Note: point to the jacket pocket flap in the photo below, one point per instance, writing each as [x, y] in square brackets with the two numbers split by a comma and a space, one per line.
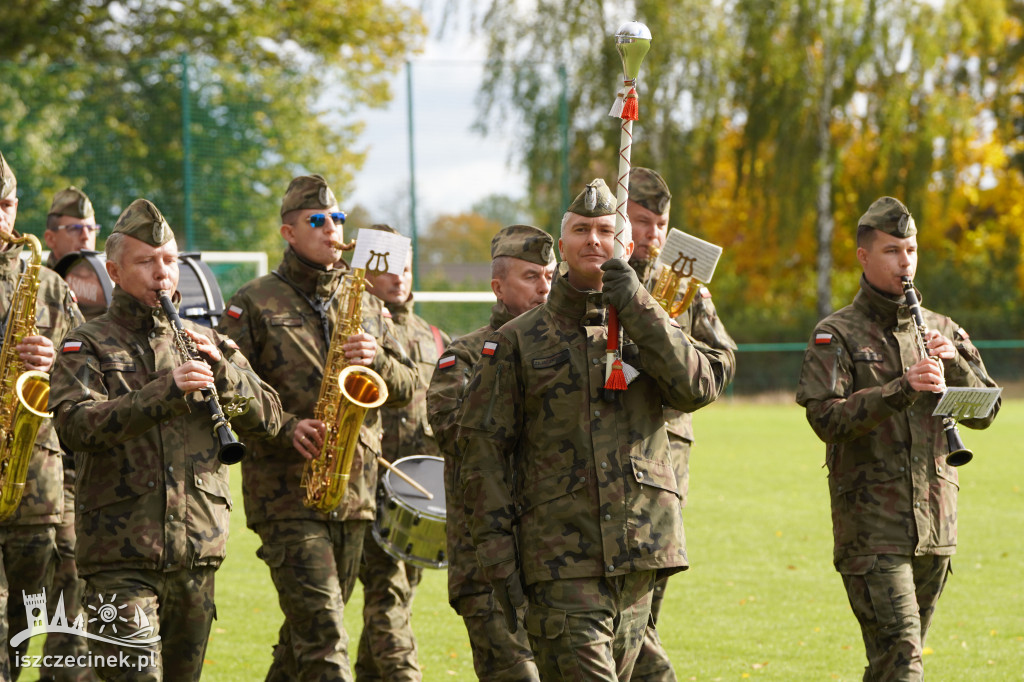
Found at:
[553, 487]
[654, 473]
[120, 361]
[290, 320]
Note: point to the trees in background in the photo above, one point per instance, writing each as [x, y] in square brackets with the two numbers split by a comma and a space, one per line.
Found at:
[777, 124]
[208, 109]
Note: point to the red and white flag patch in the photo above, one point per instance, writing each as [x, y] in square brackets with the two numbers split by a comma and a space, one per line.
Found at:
[386, 313]
[230, 343]
[489, 347]
[73, 297]
[705, 292]
[446, 362]
[822, 339]
[962, 333]
[234, 312]
[71, 347]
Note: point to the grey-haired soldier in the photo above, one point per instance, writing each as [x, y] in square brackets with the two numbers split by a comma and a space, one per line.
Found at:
[572, 500]
[869, 395]
[648, 209]
[522, 265]
[153, 498]
[27, 548]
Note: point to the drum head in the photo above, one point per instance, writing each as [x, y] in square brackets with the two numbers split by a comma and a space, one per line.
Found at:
[86, 275]
[429, 473]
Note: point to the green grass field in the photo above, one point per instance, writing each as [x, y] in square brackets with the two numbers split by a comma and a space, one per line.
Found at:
[761, 600]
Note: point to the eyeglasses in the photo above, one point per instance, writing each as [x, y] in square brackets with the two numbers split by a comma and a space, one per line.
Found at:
[78, 228]
[318, 219]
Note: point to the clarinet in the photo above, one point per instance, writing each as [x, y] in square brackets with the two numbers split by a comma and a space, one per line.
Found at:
[958, 452]
[231, 450]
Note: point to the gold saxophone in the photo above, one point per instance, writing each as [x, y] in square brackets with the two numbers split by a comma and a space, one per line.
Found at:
[670, 279]
[25, 394]
[346, 393]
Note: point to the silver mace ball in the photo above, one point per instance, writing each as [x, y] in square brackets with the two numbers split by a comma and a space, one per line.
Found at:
[632, 41]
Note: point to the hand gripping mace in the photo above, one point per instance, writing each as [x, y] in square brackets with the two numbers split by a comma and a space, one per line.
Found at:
[632, 41]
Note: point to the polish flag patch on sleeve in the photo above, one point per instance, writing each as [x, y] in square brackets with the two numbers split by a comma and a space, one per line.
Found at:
[234, 312]
[962, 333]
[489, 347]
[74, 298]
[71, 347]
[446, 362]
[230, 343]
[822, 339]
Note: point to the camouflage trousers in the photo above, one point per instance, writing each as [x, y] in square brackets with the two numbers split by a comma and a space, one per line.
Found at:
[179, 606]
[67, 585]
[314, 565]
[27, 555]
[653, 664]
[387, 647]
[894, 599]
[498, 654]
[588, 628]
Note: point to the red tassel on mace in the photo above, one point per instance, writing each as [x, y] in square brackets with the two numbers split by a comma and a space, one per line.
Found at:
[631, 106]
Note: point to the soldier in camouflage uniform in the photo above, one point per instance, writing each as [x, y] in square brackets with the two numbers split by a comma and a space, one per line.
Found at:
[27, 536]
[590, 515]
[387, 647]
[70, 226]
[648, 210]
[869, 395]
[522, 264]
[153, 499]
[284, 322]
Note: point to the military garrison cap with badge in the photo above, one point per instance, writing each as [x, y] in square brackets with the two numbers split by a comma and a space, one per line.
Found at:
[144, 221]
[594, 201]
[307, 191]
[72, 202]
[889, 215]
[524, 242]
[649, 189]
[8, 183]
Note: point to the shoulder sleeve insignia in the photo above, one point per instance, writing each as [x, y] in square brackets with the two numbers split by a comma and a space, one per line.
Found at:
[71, 292]
[71, 347]
[489, 347]
[234, 312]
[446, 362]
[962, 333]
[385, 312]
[822, 339]
[705, 292]
[230, 343]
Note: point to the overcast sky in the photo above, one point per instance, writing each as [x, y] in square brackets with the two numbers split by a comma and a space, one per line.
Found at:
[454, 166]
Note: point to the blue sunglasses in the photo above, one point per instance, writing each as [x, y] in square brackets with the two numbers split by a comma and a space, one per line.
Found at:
[319, 219]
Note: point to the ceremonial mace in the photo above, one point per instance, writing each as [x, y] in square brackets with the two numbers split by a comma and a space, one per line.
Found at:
[632, 41]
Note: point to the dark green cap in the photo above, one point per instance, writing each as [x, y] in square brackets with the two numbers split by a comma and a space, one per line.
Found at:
[649, 189]
[8, 183]
[143, 220]
[72, 202]
[889, 215]
[524, 242]
[594, 201]
[307, 191]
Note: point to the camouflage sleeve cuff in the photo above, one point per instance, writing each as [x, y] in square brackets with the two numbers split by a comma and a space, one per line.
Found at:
[497, 557]
[898, 395]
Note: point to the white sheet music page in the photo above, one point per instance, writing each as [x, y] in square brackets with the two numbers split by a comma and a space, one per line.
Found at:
[690, 256]
[379, 251]
[967, 403]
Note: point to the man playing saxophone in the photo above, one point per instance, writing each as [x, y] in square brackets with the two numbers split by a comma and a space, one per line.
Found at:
[27, 544]
[648, 209]
[284, 323]
[869, 395]
[153, 497]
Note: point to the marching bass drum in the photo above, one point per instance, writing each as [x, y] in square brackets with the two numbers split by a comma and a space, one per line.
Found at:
[408, 526]
[86, 275]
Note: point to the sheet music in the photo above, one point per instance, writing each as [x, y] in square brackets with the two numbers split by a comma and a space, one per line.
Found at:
[692, 256]
[967, 403]
[380, 251]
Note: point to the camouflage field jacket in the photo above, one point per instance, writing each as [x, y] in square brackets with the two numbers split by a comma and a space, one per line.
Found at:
[42, 501]
[406, 429]
[277, 326]
[444, 398]
[150, 492]
[892, 491]
[592, 489]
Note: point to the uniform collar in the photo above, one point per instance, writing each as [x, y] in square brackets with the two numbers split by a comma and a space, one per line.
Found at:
[499, 315]
[131, 313]
[309, 278]
[400, 311]
[880, 307]
[586, 306]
